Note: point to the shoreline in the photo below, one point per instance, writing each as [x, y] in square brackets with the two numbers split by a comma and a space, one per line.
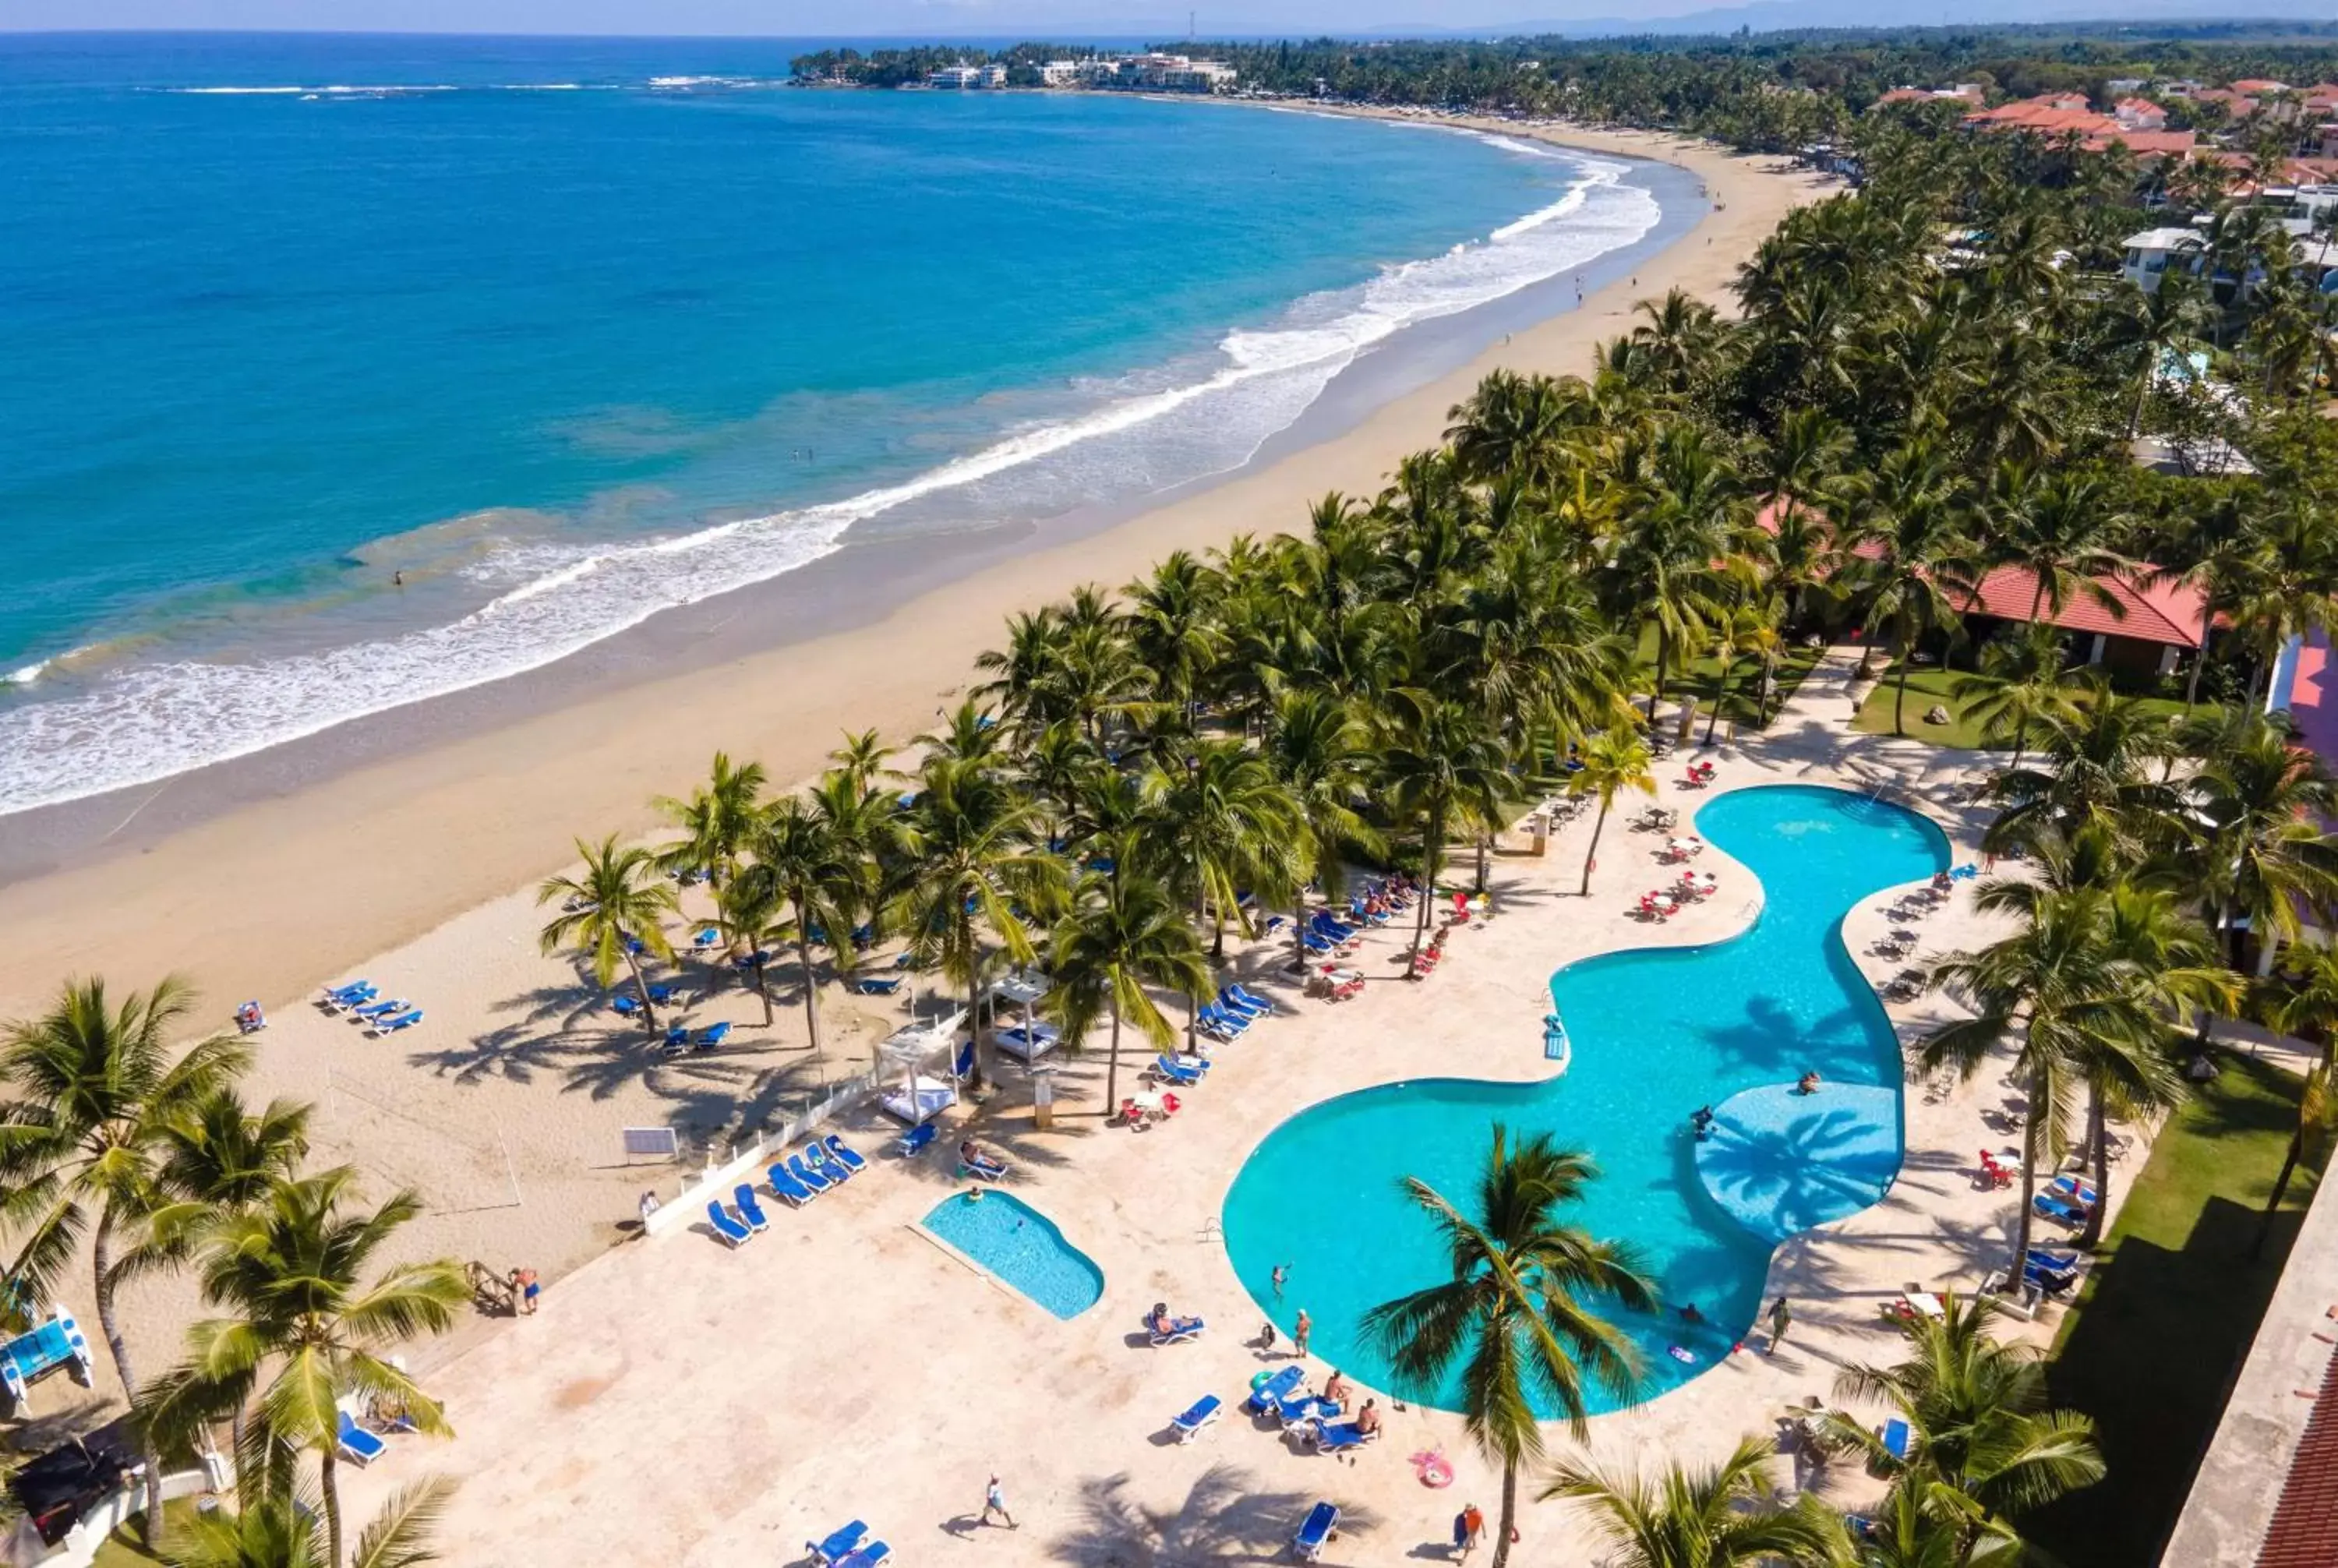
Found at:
[295, 877]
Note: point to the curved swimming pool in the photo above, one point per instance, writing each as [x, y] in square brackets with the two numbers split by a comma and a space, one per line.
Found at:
[1657, 1032]
[1022, 1246]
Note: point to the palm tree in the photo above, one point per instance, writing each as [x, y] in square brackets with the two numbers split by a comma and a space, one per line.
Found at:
[2022, 683]
[2311, 1138]
[85, 1139]
[2094, 772]
[2058, 527]
[716, 820]
[2067, 999]
[1442, 769]
[612, 913]
[1716, 1517]
[1222, 824]
[281, 1530]
[801, 860]
[1910, 508]
[1317, 750]
[1520, 1316]
[1983, 1448]
[1612, 761]
[2261, 801]
[1683, 518]
[967, 845]
[1748, 627]
[305, 1328]
[1124, 931]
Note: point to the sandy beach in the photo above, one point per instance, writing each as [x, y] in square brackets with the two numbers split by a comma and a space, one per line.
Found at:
[503, 1109]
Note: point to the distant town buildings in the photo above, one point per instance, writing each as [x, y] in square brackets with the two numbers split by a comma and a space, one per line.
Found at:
[1159, 72]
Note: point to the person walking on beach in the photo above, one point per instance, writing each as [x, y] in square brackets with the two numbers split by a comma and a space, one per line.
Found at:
[1300, 1330]
[526, 1288]
[994, 1501]
[1469, 1530]
[1781, 1318]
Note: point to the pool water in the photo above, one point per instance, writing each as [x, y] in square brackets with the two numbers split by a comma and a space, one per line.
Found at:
[1655, 1033]
[1021, 1246]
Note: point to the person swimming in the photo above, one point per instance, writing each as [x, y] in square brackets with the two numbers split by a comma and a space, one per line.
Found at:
[1701, 1121]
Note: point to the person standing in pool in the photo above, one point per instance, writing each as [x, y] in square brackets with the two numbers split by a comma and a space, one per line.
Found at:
[1781, 1318]
[1282, 1275]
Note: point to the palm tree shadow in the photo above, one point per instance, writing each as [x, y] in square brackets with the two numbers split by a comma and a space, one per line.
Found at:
[1222, 1519]
[1802, 1174]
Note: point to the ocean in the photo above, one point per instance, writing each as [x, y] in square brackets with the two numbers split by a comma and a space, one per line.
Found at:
[350, 371]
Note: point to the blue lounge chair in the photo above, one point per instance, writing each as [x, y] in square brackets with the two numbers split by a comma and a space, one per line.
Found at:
[335, 992]
[706, 939]
[839, 1543]
[392, 1025]
[2051, 1262]
[1272, 1393]
[676, 1042]
[748, 1210]
[1174, 1072]
[1216, 1017]
[2073, 1190]
[355, 999]
[625, 1005]
[916, 1139]
[1262, 1006]
[713, 1035]
[1321, 945]
[1315, 1532]
[1895, 1438]
[1181, 1329]
[2052, 1208]
[869, 1556]
[794, 1193]
[1303, 1408]
[1202, 1413]
[808, 1176]
[356, 1444]
[815, 1155]
[877, 985]
[661, 994]
[730, 1230]
[1339, 1438]
[376, 1009]
[844, 1154]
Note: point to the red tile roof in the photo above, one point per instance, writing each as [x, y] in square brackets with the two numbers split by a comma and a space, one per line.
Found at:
[2305, 1530]
[2167, 613]
[2259, 84]
[2147, 144]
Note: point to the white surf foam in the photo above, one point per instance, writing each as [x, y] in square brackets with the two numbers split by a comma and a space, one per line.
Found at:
[148, 721]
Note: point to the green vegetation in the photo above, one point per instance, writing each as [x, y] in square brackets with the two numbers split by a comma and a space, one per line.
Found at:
[1960, 693]
[2179, 1288]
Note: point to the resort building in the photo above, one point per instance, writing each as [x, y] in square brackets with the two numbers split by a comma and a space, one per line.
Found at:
[1159, 72]
[1059, 73]
[2137, 627]
[2139, 114]
[2058, 115]
[957, 77]
[2149, 252]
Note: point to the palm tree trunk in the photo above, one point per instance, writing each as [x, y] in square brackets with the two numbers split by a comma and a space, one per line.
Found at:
[1712, 720]
[1900, 697]
[2032, 1145]
[2099, 1157]
[2200, 654]
[974, 1015]
[810, 984]
[109, 1324]
[762, 990]
[1298, 933]
[1510, 1513]
[1432, 853]
[642, 984]
[2280, 1190]
[1664, 658]
[1591, 856]
[1112, 1067]
[330, 1484]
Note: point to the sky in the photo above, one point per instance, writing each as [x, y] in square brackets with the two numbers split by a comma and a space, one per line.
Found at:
[810, 18]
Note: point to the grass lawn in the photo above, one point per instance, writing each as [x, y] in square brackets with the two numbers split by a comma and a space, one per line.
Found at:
[1928, 684]
[122, 1549]
[1701, 677]
[2166, 1315]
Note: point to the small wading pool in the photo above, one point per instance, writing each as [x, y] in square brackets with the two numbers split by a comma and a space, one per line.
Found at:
[1022, 1246]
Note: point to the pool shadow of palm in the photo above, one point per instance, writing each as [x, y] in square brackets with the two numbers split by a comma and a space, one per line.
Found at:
[1817, 1168]
[1223, 1518]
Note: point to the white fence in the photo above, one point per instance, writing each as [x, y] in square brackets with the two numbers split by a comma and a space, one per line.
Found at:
[718, 1180]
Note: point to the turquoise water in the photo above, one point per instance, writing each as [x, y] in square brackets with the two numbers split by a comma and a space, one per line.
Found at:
[1657, 1032]
[1022, 1246]
[571, 331]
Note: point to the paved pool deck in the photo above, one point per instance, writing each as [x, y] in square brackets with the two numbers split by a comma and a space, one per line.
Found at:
[680, 1404]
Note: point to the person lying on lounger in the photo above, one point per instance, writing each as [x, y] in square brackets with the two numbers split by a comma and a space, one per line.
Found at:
[1163, 1325]
[1368, 1419]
